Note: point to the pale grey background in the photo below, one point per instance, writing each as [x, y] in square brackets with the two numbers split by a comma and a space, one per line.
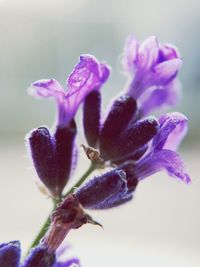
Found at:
[43, 39]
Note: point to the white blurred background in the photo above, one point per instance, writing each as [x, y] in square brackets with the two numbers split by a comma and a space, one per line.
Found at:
[43, 39]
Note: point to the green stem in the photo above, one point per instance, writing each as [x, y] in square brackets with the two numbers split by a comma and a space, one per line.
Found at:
[45, 226]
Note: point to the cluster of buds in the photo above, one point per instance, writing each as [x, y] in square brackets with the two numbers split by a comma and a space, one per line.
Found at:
[133, 144]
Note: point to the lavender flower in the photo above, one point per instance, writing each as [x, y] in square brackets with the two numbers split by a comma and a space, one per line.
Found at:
[161, 154]
[52, 154]
[152, 68]
[88, 75]
[117, 186]
[133, 145]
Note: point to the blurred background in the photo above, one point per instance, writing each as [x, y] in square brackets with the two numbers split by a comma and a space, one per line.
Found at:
[43, 39]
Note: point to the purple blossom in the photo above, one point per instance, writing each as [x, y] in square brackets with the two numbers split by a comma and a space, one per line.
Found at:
[88, 75]
[117, 186]
[152, 68]
[52, 154]
[161, 154]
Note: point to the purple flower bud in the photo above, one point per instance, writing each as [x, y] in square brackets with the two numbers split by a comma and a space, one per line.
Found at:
[42, 148]
[39, 257]
[101, 189]
[64, 142]
[137, 154]
[52, 155]
[91, 117]
[133, 138]
[121, 113]
[10, 254]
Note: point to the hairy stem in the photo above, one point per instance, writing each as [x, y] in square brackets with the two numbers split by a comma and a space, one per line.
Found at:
[45, 226]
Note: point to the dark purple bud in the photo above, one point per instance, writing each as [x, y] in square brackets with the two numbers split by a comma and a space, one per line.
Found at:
[100, 188]
[133, 138]
[39, 257]
[91, 117]
[10, 254]
[122, 197]
[42, 148]
[64, 140]
[52, 155]
[121, 113]
[133, 157]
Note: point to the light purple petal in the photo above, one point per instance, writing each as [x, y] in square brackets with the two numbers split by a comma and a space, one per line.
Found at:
[130, 54]
[88, 75]
[173, 128]
[46, 88]
[160, 97]
[159, 160]
[166, 71]
[147, 53]
[167, 52]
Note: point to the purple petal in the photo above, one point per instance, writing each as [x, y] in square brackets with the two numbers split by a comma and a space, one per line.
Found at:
[167, 52]
[173, 128]
[130, 54]
[166, 71]
[147, 53]
[160, 97]
[159, 160]
[46, 88]
[88, 75]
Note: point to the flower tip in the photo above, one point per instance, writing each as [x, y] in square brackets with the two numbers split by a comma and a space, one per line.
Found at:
[85, 60]
[187, 179]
